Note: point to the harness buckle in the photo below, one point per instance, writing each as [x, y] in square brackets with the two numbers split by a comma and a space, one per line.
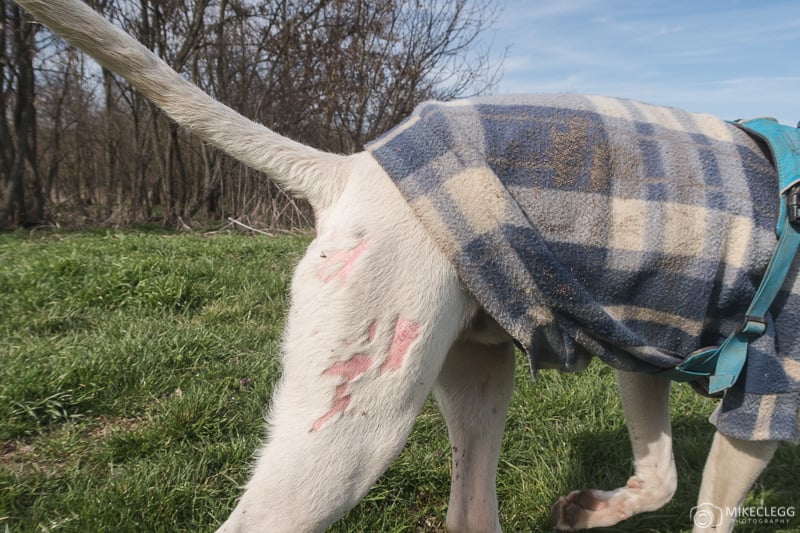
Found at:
[753, 327]
[793, 204]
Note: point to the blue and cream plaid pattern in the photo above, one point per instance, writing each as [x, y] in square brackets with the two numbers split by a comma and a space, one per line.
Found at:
[630, 232]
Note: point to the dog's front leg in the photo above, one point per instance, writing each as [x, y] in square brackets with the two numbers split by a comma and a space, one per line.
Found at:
[473, 391]
[645, 401]
[731, 469]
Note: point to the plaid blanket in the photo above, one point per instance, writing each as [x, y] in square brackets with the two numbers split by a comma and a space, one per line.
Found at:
[591, 225]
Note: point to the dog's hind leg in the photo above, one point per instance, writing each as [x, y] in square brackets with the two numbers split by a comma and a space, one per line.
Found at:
[731, 469]
[342, 413]
[473, 391]
[645, 401]
[374, 311]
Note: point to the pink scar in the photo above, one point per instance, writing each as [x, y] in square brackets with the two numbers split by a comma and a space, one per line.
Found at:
[340, 265]
[352, 368]
[340, 402]
[405, 333]
[349, 370]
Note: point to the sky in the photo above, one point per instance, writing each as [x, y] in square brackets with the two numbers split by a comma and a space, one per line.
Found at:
[734, 59]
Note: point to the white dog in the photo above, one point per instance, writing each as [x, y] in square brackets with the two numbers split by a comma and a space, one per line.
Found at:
[379, 318]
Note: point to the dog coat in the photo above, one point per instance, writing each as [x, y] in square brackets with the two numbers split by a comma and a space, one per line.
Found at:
[606, 227]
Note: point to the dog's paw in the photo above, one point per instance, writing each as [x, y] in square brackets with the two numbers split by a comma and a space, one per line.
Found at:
[582, 509]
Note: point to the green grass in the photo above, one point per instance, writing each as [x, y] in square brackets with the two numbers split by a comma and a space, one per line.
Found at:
[135, 369]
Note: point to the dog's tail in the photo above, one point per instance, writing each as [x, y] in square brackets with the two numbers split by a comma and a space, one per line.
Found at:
[305, 171]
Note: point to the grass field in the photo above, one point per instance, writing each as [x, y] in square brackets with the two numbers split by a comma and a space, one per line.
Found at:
[135, 369]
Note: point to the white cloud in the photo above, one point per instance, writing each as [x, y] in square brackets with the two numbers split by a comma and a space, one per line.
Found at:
[730, 59]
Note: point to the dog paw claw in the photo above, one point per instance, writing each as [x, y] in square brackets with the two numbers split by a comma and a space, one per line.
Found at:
[567, 511]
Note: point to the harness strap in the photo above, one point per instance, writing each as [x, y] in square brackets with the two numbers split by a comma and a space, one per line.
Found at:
[723, 364]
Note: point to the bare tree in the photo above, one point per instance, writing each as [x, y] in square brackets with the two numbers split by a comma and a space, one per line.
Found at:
[330, 73]
[21, 163]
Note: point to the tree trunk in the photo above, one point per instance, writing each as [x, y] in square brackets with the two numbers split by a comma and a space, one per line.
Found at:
[16, 210]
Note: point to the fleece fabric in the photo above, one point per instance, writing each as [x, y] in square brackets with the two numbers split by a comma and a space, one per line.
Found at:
[605, 227]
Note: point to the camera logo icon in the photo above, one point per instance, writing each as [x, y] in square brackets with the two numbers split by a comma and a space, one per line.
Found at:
[706, 515]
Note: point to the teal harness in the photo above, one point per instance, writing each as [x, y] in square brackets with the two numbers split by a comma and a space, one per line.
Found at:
[723, 364]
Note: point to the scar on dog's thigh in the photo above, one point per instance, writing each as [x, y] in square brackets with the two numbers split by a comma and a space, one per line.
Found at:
[341, 401]
[404, 334]
[349, 370]
[339, 265]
